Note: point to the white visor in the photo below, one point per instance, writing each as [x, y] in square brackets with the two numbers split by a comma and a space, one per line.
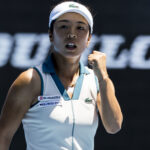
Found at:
[70, 6]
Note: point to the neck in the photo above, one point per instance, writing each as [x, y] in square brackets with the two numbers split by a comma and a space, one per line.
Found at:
[66, 67]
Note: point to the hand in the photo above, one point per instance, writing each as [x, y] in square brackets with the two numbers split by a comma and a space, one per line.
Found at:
[98, 62]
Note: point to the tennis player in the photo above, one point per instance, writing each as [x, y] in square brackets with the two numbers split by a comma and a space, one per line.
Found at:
[59, 101]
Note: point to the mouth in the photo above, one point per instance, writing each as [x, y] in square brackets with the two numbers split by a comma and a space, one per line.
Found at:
[71, 46]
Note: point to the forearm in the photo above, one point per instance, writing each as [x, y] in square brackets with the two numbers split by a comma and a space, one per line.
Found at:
[109, 108]
[107, 103]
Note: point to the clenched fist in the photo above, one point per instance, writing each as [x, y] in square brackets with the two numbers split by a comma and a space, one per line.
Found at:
[98, 62]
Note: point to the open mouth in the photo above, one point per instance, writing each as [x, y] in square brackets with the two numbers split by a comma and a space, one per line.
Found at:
[71, 46]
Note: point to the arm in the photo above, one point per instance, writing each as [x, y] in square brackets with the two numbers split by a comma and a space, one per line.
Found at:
[21, 96]
[107, 103]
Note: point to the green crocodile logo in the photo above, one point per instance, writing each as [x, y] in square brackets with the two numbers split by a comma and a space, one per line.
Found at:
[88, 100]
[73, 6]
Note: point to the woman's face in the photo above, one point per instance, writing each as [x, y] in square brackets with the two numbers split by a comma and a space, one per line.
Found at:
[70, 35]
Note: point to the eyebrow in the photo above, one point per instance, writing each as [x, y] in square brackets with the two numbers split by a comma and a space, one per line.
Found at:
[80, 22]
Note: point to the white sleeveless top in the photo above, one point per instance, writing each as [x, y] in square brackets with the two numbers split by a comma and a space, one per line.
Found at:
[57, 122]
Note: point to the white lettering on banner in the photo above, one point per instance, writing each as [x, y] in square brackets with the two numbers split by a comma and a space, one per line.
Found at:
[5, 48]
[138, 52]
[110, 45]
[24, 43]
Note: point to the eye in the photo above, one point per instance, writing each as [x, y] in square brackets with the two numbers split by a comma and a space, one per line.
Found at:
[63, 27]
[80, 28]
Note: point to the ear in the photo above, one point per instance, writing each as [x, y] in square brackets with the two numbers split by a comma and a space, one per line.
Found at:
[50, 35]
[89, 39]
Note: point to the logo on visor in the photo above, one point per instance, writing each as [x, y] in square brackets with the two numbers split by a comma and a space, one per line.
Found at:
[73, 6]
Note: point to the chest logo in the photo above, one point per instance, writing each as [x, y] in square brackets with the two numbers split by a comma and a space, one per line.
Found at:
[49, 100]
[88, 100]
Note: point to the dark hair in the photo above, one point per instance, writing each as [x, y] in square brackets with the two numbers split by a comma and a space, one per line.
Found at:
[52, 24]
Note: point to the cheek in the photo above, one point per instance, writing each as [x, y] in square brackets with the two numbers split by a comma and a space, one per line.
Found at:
[57, 38]
[84, 40]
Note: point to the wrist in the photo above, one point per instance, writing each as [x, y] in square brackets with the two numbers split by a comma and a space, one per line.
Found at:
[103, 78]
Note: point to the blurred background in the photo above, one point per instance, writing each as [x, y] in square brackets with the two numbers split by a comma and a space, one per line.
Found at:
[122, 31]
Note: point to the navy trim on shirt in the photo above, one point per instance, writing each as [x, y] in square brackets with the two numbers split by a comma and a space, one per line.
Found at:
[48, 67]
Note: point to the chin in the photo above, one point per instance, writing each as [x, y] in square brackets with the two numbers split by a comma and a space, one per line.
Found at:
[72, 56]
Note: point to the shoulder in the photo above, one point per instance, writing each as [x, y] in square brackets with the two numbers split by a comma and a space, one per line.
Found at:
[90, 71]
[90, 75]
[26, 85]
[28, 78]
[93, 78]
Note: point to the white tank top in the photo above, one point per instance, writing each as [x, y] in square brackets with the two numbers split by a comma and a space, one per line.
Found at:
[57, 122]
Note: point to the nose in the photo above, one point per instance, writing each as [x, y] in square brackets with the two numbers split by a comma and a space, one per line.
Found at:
[71, 35]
